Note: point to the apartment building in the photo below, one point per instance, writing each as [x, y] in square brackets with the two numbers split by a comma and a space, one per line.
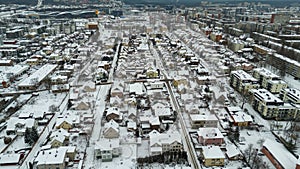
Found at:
[242, 81]
[163, 142]
[290, 95]
[271, 107]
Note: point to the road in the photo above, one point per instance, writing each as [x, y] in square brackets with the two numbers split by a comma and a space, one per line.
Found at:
[36, 147]
[192, 156]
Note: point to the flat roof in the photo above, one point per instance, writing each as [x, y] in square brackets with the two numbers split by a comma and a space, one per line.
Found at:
[38, 76]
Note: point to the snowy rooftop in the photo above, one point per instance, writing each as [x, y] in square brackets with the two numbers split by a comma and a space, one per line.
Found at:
[200, 117]
[38, 76]
[265, 95]
[266, 73]
[280, 153]
[293, 93]
[208, 133]
[212, 152]
[242, 75]
[52, 156]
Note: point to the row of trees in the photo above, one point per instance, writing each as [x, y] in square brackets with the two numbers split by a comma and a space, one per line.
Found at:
[253, 159]
[167, 157]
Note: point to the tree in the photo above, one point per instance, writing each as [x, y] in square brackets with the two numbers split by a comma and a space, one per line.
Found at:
[7, 140]
[31, 136]
[27, 136]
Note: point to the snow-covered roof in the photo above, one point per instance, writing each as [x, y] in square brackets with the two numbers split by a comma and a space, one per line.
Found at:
[164, 138]
[293, 93]
[210, 133]
[266, 96]
[212, 152]
[280, 153]
[9, 158]
[107, 144]
[243, 76]
[266, 73]
[38, 76]
[52, 156]
[232, 151]
[162, 111]
[203, 117]
[111, 124]
[137, 88]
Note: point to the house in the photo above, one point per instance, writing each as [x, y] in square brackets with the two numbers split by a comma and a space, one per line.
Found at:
[13, 123]
[51, 159]
[154, 123]
[164, 113]
[212, 156]
[64, 123]
[10, 159]
[111, 129]
[117, 90]
[238, 117]
[131, 125]
[89, 86]
[151, 73]
[60, 88]
[199, 120]
[279, 156]
[163, 142]
[137, 89]
[210, 136]
[113, 113]
[264, 75]
[106, 149]
[179, 80]
[233, 153]
[81, 105]
[59, 79]
[59, 138]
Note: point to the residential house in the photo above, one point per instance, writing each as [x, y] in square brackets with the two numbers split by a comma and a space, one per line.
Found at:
[10, 159]
[164, 113]
[89, 86]
[179, 80]
[59, 79]
[233, 153]
[111, 129]
[59, 138]
[199, 121]
[212, 156]
[113, 113]
[51, 159]
[80, 105]
[210, 136]
[106, 149]
[64, 123]
[163, 142]
[137, 89]
[117, 90]
[238, 117]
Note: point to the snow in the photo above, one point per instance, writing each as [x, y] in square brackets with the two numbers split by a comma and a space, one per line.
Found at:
[38, 76]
